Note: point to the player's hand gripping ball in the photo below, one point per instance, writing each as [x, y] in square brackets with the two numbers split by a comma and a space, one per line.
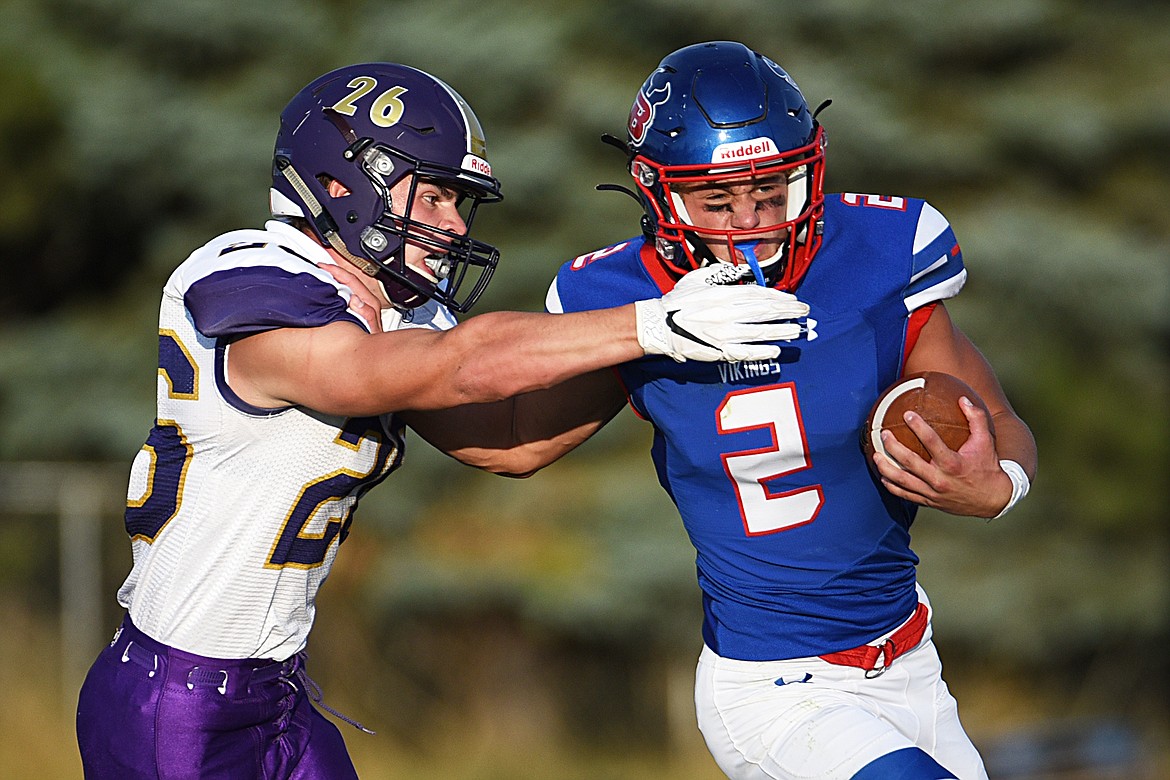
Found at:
[935, 397]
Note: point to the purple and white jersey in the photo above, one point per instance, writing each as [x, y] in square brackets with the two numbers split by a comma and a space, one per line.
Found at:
[235, 512]
[799, 550]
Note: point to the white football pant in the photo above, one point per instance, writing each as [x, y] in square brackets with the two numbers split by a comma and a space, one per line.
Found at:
[806, 718]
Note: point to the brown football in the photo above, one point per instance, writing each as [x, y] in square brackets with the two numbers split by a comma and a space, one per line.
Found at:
[934, 396]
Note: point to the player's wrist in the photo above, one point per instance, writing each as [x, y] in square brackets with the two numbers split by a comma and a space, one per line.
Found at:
[1020, 485]
[650, 325]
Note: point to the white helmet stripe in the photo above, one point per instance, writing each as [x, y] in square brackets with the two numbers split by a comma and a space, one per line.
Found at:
[474, 139]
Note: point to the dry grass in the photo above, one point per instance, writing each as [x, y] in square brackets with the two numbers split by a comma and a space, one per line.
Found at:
[37, 732]
[36, 722]
[37, 738]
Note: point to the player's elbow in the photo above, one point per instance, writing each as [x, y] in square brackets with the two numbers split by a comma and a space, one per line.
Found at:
[485, 384]
[519, 463]
[485, 365]
[512, 475]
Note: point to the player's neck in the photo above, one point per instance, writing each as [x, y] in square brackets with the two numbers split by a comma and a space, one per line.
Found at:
[371, 284]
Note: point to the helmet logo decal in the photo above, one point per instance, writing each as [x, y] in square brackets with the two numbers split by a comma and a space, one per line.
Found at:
[744, 150]
[361, 86]
[645, 104]
[386, 110]
[782, 74]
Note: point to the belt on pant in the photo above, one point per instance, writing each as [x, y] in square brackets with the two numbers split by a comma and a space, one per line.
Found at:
[875, 659]
[224, 675]
[234, 677]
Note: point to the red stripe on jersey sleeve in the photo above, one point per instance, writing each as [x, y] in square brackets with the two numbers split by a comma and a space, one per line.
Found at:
[918, 319]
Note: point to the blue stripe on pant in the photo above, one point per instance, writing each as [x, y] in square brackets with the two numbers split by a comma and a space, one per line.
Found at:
[904, 764]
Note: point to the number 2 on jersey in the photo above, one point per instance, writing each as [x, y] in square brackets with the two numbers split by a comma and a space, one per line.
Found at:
[775, 408]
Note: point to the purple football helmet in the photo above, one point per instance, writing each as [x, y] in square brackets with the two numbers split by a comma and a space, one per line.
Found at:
[357, 131]
[719, 110]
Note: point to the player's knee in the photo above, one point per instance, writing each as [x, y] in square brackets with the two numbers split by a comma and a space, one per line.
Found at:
[905, 764]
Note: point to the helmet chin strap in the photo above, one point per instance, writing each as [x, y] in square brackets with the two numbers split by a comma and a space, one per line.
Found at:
[321, 219]
[704, 256]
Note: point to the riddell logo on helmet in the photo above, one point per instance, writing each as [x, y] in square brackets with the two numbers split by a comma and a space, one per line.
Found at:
[477, 165]
[744, 150]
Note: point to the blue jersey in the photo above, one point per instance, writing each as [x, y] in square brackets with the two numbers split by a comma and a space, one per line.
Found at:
[800, 551]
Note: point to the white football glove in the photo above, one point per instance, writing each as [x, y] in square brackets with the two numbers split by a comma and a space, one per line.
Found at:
[708, 317]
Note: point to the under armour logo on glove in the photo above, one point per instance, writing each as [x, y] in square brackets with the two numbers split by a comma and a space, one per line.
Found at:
[708, 317]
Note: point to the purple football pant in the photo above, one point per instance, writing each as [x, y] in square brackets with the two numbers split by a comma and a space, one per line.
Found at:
[147, 710]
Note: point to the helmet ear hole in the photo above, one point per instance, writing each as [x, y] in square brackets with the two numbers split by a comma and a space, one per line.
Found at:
[335, 188]
[332, 187]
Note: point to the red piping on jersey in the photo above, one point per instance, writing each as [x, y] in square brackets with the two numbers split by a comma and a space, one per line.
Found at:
[629, 400]
[904, 639]
[914, 326]
[664, 280]
[656, 268]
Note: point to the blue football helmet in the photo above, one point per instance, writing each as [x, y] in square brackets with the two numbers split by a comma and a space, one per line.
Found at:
[719, 110]
[347, 138]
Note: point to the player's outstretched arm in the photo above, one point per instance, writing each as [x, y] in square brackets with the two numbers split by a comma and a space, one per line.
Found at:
[970, 481]
[341, 369]
[520, 435]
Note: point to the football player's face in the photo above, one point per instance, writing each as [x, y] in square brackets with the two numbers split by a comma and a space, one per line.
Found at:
[434, 204]
[740, 204]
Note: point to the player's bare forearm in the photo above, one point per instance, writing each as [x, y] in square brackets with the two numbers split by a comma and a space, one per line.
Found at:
[942, 346]
[493, 356]
[1014, 441]
[340, 369]
[506, 354]
[518, 436]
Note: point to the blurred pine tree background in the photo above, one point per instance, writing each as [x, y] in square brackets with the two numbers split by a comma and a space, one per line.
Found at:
[548, 628]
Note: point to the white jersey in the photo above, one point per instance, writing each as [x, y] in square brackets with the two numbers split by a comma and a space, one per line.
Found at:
[235, 512]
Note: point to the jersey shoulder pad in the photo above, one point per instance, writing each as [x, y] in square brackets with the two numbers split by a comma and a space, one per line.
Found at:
[937, 271]
[908, 238]
[250, 281]
[604, 278]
